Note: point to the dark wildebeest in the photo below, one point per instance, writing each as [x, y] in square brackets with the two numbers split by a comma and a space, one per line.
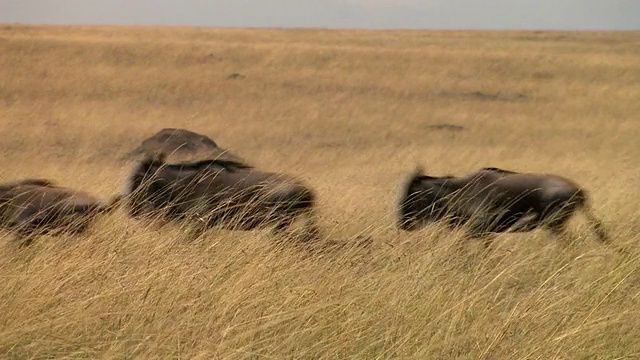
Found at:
[493, 200]
[216, 192]
[30, 207]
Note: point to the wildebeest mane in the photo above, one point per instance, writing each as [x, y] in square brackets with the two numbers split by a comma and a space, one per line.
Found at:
[160, 159]
[427, 177]
[230, 165]
[153, 162]
[498, 170]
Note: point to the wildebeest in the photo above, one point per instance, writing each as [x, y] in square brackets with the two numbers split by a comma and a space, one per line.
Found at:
[215, 192]
[34, 206]
[493, 200]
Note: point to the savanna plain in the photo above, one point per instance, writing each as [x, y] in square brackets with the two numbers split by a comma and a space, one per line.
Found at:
[348, 112]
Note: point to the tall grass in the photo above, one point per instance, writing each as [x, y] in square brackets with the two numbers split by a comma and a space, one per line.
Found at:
[349, 112]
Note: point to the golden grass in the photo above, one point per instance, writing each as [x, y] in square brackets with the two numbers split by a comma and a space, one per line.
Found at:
[349, 113]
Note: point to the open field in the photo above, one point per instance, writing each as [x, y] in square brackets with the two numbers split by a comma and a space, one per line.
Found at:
[349, 112]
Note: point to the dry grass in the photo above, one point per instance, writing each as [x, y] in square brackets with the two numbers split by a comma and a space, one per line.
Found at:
[348, 112]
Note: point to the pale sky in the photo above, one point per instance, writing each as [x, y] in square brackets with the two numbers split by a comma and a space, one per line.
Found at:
[428, 14]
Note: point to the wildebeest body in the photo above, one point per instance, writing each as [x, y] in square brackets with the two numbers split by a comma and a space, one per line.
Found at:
[216, 192]
[493, 200]
[33, 206]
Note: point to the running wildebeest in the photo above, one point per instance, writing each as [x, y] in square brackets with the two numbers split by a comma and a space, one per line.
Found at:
[29, 207]
[492, 200]
[216, 192]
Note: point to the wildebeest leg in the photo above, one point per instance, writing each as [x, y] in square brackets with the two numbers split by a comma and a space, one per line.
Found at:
[23, 239]
[525, 223]
[310, 231]
[478, 231]
[480, 226]
[79, 221]
[158, 222]
[25, 233]
[78, 228]
[596, 224]
[560, 231]
[196, 228]
[487, 239]
[25, 224]
[284, 217]
[557, 228]
[198, 222]
[556, 217]
[282, 224]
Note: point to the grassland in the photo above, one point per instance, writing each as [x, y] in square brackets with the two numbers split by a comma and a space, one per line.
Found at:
[349, 112]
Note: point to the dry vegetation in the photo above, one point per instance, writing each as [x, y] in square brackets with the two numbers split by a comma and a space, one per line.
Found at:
[349, 112]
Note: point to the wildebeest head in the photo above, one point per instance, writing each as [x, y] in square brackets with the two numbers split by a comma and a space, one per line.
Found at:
[212, 190]
[420, 200]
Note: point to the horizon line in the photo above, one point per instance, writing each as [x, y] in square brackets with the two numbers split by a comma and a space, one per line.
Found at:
[316, 28]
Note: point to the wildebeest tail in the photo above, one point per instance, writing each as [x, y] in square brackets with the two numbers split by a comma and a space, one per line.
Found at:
[598, 226]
